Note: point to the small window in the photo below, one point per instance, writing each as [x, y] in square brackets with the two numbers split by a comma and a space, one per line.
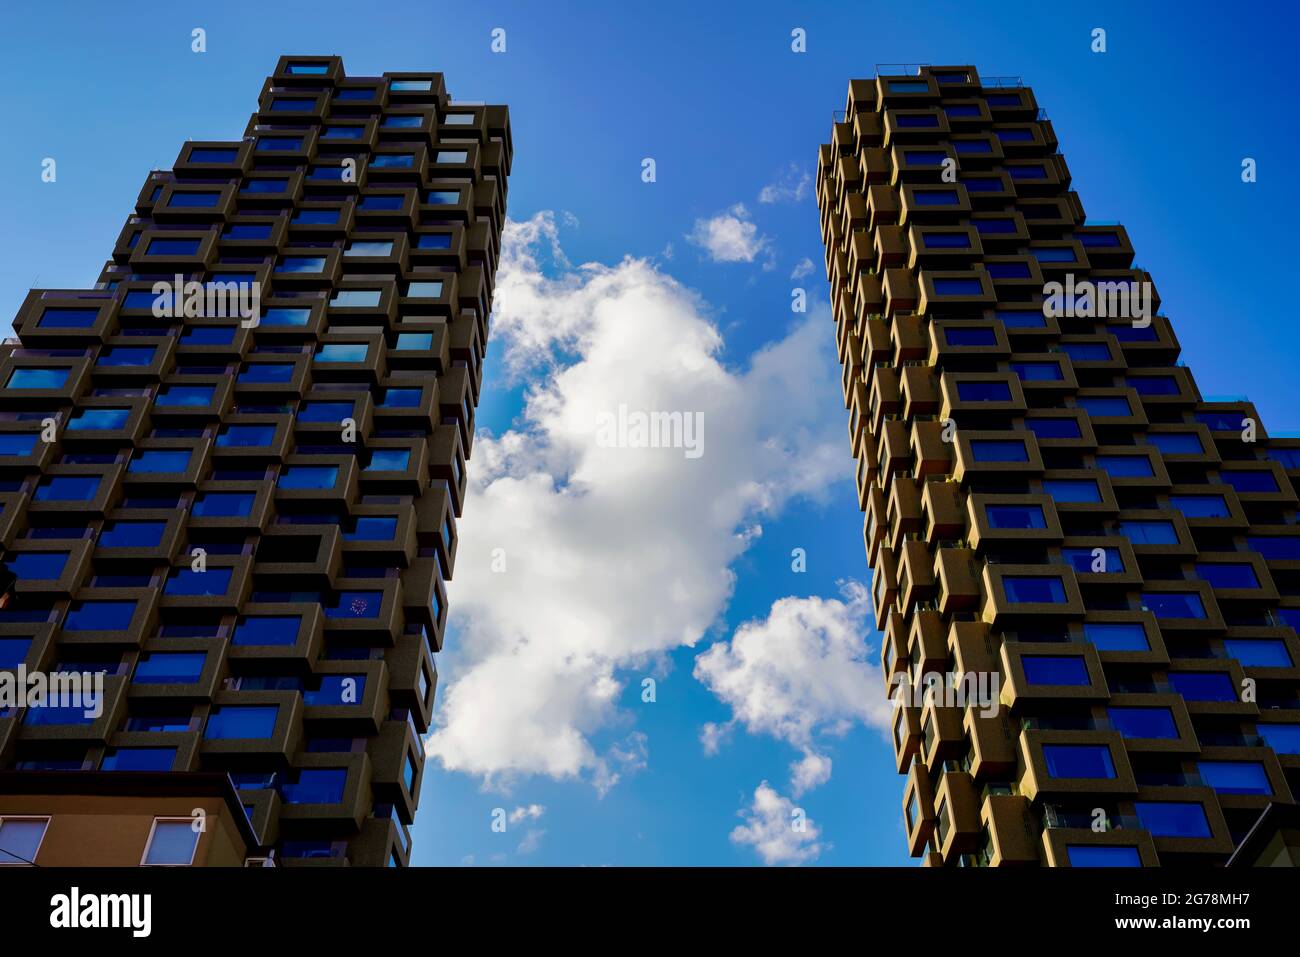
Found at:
[21, 838]
[301, 264]
[424, 290]
[983, 392]
[283, 316]
[56, 318]
[99, 616]
[1200, 506]
[451, 156]
[935, 197]
[172, 843]
[1173, 818]
[1062, 670]
[214, 582]
[1078, 761]
[223, 505]
[1228, 574]
[1054, 428]
[159, 460]
[1038, 371]
[356, 298]
[1015, 516]
[191, 200]
[909, 86]
[1083, 560]
[1259, 653]
[317, 477]
[173, 247]
[1203, 685]
[342, 352]
[185, 395]
[119, 534]
[1034, 589]
[410, 86]
[1254, 481]
[267, 373]
[958, 287]
[1176, 443]
[208, 154]
[37, 379]
[1174, 604]
[1116, 636]
[369, 248]
[998, 450]
[166, 668]
[1103, 855]
[1072, 490]
[1126, 466]
[236, 722]
[267, 630]
[1154, 723]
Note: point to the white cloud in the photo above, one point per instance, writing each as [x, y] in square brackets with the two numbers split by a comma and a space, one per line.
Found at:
[804, 672]
[791, 186]
[530, 812]
[803, 268]
[531, 842]
[729, 237]
[614, 557]
[774, 831]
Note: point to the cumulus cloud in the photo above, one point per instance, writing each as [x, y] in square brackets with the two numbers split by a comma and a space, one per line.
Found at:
[529, 812]
[801, 674]
[613, 556]
[803, 268]
[729, 237]
[775, 832]
[791, 186]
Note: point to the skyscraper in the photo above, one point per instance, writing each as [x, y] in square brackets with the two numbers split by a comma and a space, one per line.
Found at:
[1087, 575]
[231, 475]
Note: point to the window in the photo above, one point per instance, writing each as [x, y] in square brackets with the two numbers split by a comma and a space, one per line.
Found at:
[223, 504]
[980, 336]
[68, 488]
[138, 759]
[403, 121]
[1149, 533]
[1086, 351]
[1203, 685]
[208, 336]
[99, 616]
[169, 668]
[1083, 559]
[1263, 653]
[1116, 636]
[356, 298]
[415, 341]
[207, 154]
[1038, 371]
[983, 392]
[1235, 777]
[1143, 722]
[372, 528]
[1015, 270]
[998, 450]
[1054, 254]
[1054, 428]
[1276, 548]
[909, 86]
[324, 412]
[1241, 481]
[320, 477]
[424, 290]
[369, 248]
[1019, 319]
[173, 247]
[1228, 575]
[37, 379]
[1282, 738]
[204, 200]
[1126, 466]
[1069, 670]
[972, 146]
[1015, 516]
[99, 419]
[1173, 818]
[314, 786]
[185, 396]
[415, 86]
[384, 202]
[389, 460]
[1174, 604]
[277, 144]
[13, 652]
[336, 690]
[1022, 589]
[1072, 490]
[205, 584]
[1078, 761]
[37, 566]
[242, 436]
[995, 226]
[1104, 406]
[1221, 421]
[17, 443]
[1103, 855]
[958, 287]
[342, 352]
[267, 373]
[292, 105]
[238, 722]
[282, 316]
[1176, 443]
[935, 197]
[172, 843]
[72, 318]
[1027, 172]
[929, 158]
[266, 186]
[451, 156]
[131, 534]
[308, 264]
[400, 398]
[394, 161]
[117, 356]
[267, 630]
[20, 839]
[356, 604]
[1153, 385]
[160, 460]
[433, 241]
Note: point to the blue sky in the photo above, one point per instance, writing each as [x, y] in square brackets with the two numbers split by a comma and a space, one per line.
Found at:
[1154, 131]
